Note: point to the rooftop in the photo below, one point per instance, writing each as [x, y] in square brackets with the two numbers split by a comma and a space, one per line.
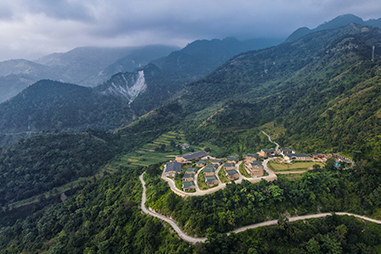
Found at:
[211, 165]
[228, 165]
[209, 170]
[187, 176]
[256, 163]
[191, 171]
[210, 178]
[231, 172]
[173, 166]
[187, 185]
[300, 155]
[233, 158]
[193, 156]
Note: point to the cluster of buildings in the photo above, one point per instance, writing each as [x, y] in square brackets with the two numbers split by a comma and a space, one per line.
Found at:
[210, 174]
[287, 153]
[290, 155]
[189, 178]
[230, 167]
[252, 164]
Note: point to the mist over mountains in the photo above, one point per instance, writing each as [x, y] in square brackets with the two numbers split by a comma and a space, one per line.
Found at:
[316, 92]
[133, 91]
[81, 66]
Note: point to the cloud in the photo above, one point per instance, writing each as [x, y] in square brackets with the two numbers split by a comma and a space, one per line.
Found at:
[31, 28]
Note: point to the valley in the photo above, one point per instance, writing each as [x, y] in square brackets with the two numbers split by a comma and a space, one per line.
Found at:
[270, 150]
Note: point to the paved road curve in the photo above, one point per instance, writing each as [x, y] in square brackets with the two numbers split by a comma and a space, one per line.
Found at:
[173, 223]
[194, 240]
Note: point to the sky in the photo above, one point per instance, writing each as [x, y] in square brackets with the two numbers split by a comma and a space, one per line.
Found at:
[31, 29]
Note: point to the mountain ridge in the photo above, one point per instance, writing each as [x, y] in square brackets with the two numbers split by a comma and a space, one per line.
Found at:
[335, 23]
[238, 92]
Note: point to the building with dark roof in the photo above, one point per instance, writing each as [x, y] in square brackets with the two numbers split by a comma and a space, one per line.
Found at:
[254, 168]
[233, 159]
[201, 163]
[284, 151]
[229, 166]
[251, 157]
[217, 162]
[231, 174]
[188, 177]
[211, 180]
[191, 171]
[172, 168]
[191, 156]
[209, 171]
[190, 185]
[266, 152]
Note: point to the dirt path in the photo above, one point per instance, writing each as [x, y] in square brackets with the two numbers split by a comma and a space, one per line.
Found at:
[194, 240]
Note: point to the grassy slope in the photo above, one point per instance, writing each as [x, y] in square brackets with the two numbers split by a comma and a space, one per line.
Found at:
[296, 165]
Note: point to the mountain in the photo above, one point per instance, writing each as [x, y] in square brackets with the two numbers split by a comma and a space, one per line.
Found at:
[165, 76]
[319, 93]
[56, 106]
[135, 59]
[293, 84]
[91, 66]
[52, 105]
[203, 56]
[81, 66]
[15, 75]
[337, 22]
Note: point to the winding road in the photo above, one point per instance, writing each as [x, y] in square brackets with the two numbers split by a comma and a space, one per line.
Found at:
[194, 240]
[268, 136]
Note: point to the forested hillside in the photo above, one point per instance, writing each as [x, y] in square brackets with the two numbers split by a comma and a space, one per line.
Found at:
[105, 217]
[317, 94]
[50, 160]
[54, 106]
[307, 87]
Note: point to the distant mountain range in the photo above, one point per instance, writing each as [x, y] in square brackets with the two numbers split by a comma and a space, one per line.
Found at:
[91, 66]
[337, 22]
[80, 66]
[119, 100]
[128, 95]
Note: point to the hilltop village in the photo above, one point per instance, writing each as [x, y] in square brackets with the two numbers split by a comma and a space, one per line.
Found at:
[199, 173]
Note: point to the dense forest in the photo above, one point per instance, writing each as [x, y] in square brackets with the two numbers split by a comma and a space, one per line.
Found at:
[321, 190]
[320, 94]
[105, 217]
[49, 160]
